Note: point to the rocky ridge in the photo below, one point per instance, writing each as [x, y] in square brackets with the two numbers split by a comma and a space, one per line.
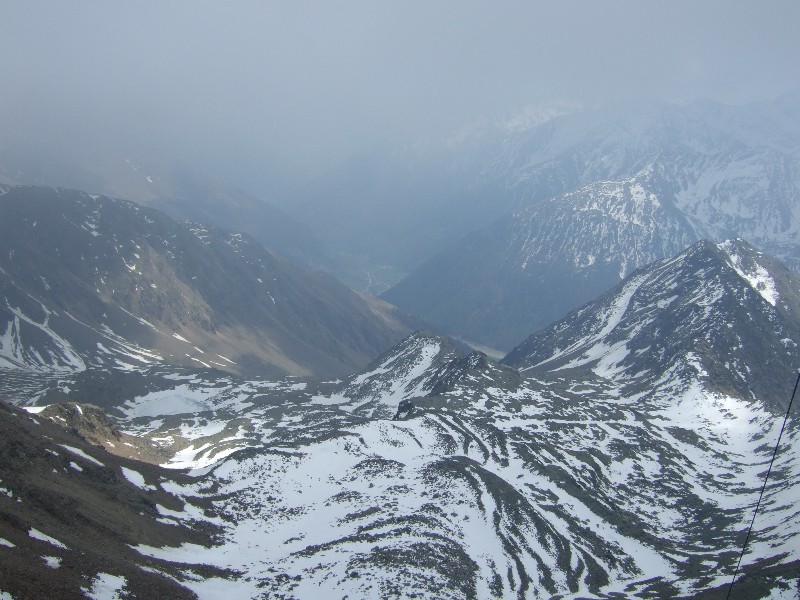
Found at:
[89, 281]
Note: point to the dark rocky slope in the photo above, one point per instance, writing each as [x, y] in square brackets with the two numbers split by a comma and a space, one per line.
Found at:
[87, 280]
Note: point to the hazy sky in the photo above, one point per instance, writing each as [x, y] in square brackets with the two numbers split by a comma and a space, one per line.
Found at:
[307, 83]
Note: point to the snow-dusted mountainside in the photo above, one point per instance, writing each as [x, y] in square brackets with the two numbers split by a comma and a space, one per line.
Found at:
[622, 459]
[92, 282]
[543, 261]
[725, 157]
[732, 170]
[716, 308]
[646, 185]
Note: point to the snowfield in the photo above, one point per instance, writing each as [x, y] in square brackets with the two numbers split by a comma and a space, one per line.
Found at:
[483, 497]
[618, 452]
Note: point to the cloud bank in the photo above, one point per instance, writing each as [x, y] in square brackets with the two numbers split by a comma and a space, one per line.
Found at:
[297, 86]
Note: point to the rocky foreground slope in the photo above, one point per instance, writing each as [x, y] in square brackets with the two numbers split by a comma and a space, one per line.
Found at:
[617, 454]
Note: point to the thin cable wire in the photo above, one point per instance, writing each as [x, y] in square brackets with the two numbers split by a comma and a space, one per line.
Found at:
[763, 487]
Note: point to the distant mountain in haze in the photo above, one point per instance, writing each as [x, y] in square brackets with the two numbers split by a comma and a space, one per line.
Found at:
[526, 271]
[666, 178]
[732, 167]
[90, 281]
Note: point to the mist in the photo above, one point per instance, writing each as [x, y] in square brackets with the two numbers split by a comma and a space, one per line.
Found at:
[269, 91]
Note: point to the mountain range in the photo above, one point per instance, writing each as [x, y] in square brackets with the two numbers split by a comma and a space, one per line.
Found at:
[602, 193]
[88, 281]
[617, 453]
[187, 413]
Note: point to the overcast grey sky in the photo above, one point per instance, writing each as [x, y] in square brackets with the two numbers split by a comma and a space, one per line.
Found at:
[308, 83]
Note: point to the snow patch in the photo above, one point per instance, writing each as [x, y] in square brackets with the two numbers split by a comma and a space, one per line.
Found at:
[42, 537]
[757, 276]
[106, 587]
[82, 454]
[136, 479]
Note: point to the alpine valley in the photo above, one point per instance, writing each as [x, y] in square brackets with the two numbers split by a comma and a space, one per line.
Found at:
[617, 453]
[187, 413]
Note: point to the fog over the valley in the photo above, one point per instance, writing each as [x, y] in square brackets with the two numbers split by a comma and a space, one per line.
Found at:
[266, 91]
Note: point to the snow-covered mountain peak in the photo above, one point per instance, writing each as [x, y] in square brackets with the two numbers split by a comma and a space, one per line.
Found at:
[745, 260]
[596, 195]
[532, 115]
[711, 305]
[621, 224]
[407, 371]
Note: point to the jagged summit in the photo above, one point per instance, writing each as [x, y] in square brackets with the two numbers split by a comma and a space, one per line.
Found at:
[404, 372]
[165, 183]
[719, 311]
